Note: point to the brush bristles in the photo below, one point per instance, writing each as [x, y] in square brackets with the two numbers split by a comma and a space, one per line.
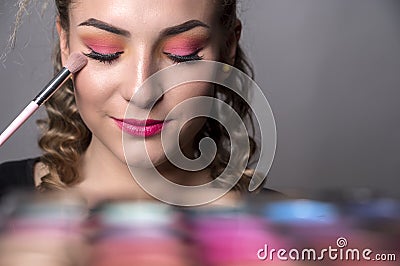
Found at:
[76, 62]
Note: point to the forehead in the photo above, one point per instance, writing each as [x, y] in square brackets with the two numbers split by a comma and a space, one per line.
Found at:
[151, 15]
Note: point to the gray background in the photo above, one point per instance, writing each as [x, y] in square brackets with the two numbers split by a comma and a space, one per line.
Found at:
[329, 68]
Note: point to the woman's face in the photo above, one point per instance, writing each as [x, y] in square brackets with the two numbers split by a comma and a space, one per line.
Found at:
[126, 41]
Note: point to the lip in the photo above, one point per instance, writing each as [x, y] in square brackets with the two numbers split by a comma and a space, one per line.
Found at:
[140, 128]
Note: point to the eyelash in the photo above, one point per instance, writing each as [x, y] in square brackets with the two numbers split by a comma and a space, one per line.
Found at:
[110, 58]
[104, 58]
[184, 58]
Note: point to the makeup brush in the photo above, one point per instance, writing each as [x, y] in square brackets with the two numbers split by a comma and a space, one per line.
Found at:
[75, 62]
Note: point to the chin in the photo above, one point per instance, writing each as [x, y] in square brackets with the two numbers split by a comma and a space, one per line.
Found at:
[132, 163]
[137, 158]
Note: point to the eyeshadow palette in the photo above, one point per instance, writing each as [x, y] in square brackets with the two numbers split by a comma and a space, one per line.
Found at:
[58, 230]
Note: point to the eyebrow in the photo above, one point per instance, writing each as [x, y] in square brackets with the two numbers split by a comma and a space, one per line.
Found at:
[105, 26]
[186, 26]
[174, 30]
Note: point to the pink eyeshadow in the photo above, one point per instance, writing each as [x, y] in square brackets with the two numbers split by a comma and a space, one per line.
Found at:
[103, 48]
[182, 47]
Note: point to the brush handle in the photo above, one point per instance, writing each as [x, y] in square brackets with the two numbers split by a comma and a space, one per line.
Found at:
[40, 99]
[52, 86]
[18, 121]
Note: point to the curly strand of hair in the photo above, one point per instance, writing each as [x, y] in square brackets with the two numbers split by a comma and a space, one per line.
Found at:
[215, 130]
[65, 138]
[65, 135]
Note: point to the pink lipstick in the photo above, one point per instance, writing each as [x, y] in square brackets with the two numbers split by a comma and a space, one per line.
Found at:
[141, 128]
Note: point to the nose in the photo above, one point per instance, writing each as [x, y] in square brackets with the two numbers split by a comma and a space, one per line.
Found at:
[140, 91]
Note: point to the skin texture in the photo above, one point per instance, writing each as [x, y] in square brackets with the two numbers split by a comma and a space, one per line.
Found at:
[104, 89]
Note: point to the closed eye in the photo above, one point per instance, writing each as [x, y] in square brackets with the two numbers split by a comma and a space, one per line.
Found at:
[103, 58]
[184, 58]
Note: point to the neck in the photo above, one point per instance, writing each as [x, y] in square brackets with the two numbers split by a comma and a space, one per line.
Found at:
[106, 177]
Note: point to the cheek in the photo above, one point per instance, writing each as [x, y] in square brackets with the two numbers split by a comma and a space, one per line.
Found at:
[188, 92]
[92, 90]
[190, 109]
